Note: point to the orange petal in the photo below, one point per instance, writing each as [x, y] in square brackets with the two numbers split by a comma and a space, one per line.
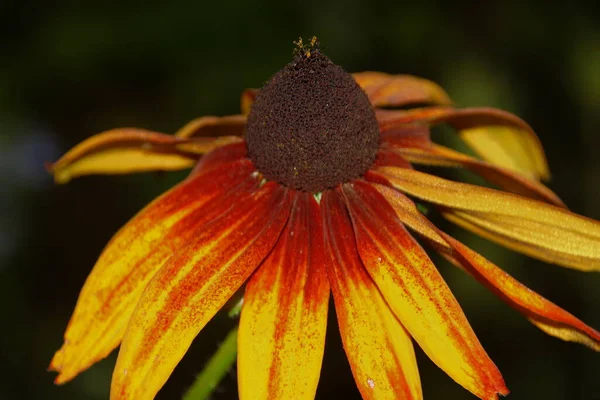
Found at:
[248, 97]
[406, 135]
[209, 126]
[193, 285]
[541, 312]
[281, 337]
[389, 158]
[408, 213]
[379, 349]
[534, 228]
[498, 137]
[514, 182]
[390, 119]
[385, 90]
[220, 156]
[417, 294]
[123, 151]
[544, 314]
[131, 258]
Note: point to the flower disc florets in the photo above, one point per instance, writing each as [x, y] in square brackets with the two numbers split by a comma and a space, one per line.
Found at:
[311, 126]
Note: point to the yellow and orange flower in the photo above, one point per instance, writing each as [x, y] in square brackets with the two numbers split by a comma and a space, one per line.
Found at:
[307, 193]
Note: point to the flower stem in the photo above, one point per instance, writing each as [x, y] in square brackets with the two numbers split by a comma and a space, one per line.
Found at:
[216, 369]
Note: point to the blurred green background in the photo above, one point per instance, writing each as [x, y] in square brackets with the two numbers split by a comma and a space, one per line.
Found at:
[69, 69]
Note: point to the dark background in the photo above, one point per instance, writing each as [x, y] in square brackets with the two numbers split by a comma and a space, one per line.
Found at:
[69, 69]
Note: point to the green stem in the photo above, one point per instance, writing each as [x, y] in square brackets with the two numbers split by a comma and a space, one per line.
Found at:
[216, 369]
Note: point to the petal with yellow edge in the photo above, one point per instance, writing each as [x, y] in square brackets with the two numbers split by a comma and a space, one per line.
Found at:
[379, 349]
[210, 126]
[537, 229]
[128, 150]
[497, 136]
[193, 285]
[281, 336]
[417, 294]
[385, 90]
[436, 155]
[131, 258]
[546, 315]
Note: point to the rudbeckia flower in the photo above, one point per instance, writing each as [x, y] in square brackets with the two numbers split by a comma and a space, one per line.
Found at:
[312, 190]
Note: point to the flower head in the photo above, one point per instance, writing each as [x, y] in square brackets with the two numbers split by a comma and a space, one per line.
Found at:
[310, 192]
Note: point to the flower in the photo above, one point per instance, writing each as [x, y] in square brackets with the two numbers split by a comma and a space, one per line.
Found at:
[307, 193]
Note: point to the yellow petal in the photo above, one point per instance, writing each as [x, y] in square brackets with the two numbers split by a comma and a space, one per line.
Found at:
[378, 347]
[128, 150]
[544, 314]
[282, 327]
[498, 137]
[534, 228]
[514, 182]
[121, 151]
[209, 126]
[417, 294]
[400, 90]
[193, 285]
[409, 214]
[131, 258]
[510, 148]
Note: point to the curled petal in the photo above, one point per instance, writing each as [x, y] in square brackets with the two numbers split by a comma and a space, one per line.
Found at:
[514, 182]
[534, 228]
[498, 137]
[131, 258]
[193, 285]
[378, 347]
[209, 126]
[282, 327]
[123, 151]
[417, 293]
[400, 90]
[248, 97]
[544, 314]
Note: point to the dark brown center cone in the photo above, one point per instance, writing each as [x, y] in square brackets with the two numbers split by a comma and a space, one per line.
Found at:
[311, 126]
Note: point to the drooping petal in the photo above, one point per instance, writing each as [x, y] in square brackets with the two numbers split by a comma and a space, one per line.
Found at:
[498, 137]
[282, 327]
[131, 258]
[123, 151]
[385, 90]
[534, 228]
[210, 126]
[417, 293]
[247, 99]
[547, 316]
[379, 349]
[514, 182]
[193, 285]
[544, 314]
